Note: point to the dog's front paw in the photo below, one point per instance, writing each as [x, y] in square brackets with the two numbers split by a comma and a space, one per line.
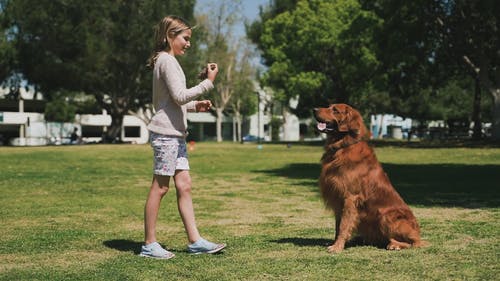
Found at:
[393, 247]
[335, 249]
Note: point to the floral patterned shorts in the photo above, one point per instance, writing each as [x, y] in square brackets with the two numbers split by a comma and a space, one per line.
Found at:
[170, 154]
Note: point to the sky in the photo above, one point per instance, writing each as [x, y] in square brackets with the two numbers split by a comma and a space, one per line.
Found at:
[250, 11]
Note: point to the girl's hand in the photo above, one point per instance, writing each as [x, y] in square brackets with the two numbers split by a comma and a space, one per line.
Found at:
[203, 105]
[212, 70]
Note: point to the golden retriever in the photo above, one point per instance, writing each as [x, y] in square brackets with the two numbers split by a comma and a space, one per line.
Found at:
[354, 185]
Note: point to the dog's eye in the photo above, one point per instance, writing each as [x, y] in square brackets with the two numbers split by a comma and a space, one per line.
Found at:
[335, 110]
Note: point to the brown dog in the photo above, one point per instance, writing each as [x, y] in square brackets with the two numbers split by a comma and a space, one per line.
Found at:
[356, 187]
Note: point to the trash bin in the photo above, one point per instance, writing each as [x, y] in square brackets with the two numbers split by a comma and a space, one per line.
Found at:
[396, 132]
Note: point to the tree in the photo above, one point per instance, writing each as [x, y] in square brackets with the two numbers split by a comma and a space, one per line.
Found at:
[318, 51]
[471, 39]
[406, 43]
[98, 47]
[425, 44]
[60, 109]
[7, 52]
[229, 53]
[244, 100]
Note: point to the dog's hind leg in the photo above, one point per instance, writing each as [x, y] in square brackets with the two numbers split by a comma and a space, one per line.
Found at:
[400, 228]
[348, 223]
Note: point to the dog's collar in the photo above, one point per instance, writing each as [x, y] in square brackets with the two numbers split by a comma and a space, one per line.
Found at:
[344, 144]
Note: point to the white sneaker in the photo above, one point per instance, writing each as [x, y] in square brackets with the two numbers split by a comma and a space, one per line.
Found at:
[155, 250]
[203, 246]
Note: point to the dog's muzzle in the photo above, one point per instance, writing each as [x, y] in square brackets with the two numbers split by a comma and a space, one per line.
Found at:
[325, 127]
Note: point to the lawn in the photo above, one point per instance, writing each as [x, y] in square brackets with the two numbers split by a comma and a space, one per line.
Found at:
[76, 213]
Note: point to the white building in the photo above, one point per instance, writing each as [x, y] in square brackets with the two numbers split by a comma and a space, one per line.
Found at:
[389, 126]
[22, 123]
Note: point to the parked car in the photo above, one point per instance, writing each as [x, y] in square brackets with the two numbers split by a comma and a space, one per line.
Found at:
[252, 138]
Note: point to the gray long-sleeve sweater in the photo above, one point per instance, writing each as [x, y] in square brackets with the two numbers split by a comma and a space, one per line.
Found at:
[171, 98]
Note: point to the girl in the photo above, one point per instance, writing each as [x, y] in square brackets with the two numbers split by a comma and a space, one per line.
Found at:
[171, 100]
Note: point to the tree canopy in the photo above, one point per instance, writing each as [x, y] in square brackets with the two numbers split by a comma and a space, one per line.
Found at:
[383, 56]
[96, 47]
[319, 51]
[234, 92]
[417, 59]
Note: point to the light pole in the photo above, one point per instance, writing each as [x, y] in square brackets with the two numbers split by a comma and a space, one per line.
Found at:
[258, 118]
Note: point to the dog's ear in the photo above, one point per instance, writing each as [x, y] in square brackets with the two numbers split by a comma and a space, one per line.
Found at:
[354, 121]
[344, 123]
[350, 121]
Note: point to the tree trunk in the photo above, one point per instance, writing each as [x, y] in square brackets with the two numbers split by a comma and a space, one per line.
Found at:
[219, 124]
[493, 86]
[495, 126]
[476, 111]
[113, 134]
[285, 123]
[238, 127]
[234, 129]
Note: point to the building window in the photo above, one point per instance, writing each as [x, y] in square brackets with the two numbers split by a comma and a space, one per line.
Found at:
[132, 131]
[92, 131]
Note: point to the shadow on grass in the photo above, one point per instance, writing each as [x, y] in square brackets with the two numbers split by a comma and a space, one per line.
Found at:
[307, 174]
[450, 143]
[320, 242]
[304, 242]
[446, 185]
[438, 143]
[124, 245]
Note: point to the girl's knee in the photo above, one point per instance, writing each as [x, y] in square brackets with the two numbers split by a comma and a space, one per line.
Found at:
[160, 185]
[163, 190]
[183, 187]
[159, 190]
[183, 182]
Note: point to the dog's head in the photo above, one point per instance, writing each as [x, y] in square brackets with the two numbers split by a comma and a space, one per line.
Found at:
[339, 118]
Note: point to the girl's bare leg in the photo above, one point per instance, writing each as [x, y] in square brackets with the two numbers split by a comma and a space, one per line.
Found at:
[159, 187]
[185, 204]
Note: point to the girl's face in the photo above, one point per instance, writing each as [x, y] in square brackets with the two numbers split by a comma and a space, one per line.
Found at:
[180, 43]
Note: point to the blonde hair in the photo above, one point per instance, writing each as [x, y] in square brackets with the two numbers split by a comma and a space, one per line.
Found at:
[169, 26]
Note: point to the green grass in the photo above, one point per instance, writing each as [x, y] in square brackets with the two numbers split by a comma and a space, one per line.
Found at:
[76, 213]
